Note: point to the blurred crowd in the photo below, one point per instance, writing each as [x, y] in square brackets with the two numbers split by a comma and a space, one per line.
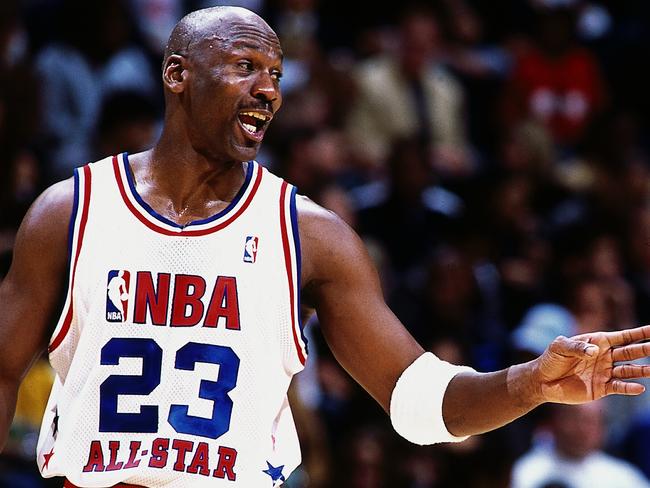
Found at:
[494, 156]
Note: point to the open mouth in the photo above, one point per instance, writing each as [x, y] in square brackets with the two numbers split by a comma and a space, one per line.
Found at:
[254, 123]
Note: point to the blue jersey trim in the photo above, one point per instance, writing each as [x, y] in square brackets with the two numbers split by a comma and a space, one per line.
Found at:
[156, 215]
[71, 231]
[296, 239]
[73, 218]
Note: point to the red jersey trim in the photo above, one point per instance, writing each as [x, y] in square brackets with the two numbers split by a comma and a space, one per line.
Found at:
[289, 265]
[78, 231]
[205, 229]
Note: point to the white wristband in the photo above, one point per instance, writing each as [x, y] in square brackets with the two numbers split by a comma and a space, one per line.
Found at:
[416, 401]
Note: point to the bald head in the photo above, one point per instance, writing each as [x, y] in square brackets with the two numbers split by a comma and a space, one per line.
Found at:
[211, 25]
[221, 79]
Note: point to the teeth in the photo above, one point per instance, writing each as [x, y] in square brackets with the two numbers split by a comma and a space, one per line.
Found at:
[257, 115]
[250, 128]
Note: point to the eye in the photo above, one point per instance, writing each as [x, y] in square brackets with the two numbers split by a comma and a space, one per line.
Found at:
[246, 65]
[276, 75]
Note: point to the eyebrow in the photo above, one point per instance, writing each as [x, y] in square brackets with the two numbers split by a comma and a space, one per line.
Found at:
[243, 44]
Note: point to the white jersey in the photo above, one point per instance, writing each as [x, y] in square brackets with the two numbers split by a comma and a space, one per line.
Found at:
[176, 345]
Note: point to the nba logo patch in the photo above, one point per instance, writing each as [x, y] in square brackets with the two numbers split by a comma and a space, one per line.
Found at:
[250, 249]
[117, 295]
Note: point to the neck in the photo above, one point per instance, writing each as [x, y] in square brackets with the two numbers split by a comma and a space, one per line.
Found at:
[182, 184]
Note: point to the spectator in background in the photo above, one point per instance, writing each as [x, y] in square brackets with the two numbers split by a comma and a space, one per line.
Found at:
[507, 207]
[634, 446]
[156, 19]
[605, 259]
[313, 159]
[128, 122]
[481, 64]
[586, 290]
[96, 54]
[638, 253]
[408, 214]
[582, 309]
[626, 48]
[20, 172]
[572, 455]
[506, 217]
[367, 459]
[555, 80]
[448, 314]
[408, 93]
[318, 164]
[296, 21]
[617, 156]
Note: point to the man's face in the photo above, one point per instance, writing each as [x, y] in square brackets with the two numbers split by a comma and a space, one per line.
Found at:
[233, 90]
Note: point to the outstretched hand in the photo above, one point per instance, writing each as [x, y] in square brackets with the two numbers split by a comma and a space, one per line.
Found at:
[590, 366]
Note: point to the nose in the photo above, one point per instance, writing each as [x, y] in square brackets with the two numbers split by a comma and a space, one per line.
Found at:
[265, 88]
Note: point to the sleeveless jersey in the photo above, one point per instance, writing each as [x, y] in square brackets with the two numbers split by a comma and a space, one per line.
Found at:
[176, 344]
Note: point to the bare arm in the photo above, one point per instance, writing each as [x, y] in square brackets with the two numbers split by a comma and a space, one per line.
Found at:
[31, 292]
[571, 370]
[340, 282]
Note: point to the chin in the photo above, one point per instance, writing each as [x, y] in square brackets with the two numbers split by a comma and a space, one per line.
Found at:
[245, 153]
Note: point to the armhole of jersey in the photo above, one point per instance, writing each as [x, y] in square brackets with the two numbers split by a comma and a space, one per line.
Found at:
[78, 219]
[292, 261]
[296, 241]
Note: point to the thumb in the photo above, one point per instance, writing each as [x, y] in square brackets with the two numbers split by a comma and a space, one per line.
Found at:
[565, 346]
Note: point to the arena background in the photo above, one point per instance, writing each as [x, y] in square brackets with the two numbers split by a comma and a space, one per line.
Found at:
[492, 155]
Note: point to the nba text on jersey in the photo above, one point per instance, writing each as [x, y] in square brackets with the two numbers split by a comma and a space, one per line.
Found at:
[187, 306]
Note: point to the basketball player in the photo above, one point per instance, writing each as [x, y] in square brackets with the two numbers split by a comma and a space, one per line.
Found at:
[183, 382]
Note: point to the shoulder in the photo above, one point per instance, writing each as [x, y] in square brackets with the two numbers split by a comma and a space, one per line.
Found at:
[310, 213]
[46, 222]
[54, 203]
[40, 252]
[331, 250]
[322, 228]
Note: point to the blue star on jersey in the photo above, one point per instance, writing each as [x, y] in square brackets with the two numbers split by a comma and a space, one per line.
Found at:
[274, 473]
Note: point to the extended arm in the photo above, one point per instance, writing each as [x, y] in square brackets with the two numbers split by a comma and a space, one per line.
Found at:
[340, 282]
[572, 370]
[31, 292]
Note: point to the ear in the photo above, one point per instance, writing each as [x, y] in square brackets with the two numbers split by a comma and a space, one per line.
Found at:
[175, 73]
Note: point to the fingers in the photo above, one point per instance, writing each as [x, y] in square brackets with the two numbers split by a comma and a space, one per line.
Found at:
[573, 347]
[629, 371]
[631, 352]
[618, 387]
[629, 336]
